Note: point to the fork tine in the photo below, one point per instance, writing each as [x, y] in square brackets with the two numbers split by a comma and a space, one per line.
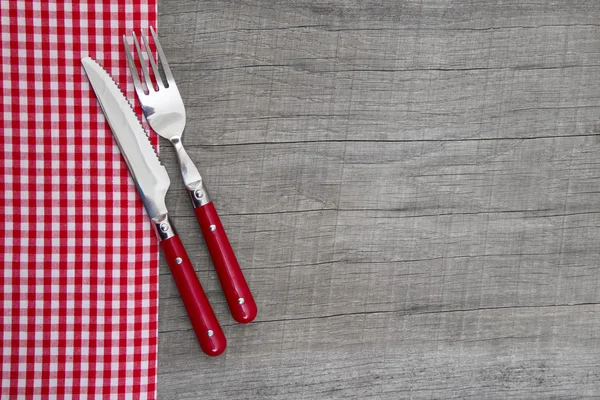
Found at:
[149, 83]
[152, 62]
[133, 69]
[163, 58]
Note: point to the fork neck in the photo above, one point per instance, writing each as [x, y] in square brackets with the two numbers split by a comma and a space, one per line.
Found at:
[191, 177]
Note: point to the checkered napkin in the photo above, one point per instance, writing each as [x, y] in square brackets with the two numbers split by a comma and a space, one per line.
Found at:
[78, 259]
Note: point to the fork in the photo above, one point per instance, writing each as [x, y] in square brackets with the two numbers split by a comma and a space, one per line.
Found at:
[164, 110]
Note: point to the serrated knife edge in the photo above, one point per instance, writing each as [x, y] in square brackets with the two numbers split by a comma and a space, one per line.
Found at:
[149, 175]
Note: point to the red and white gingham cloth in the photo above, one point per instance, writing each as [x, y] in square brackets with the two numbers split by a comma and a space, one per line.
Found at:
[78, 258]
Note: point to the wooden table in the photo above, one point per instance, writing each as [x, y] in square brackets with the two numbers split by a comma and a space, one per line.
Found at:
[413, 191]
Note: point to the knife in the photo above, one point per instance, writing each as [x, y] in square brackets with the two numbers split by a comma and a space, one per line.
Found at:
[152, 182]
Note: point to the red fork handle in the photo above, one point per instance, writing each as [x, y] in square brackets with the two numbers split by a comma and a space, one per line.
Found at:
[238, 295]
[205, 323]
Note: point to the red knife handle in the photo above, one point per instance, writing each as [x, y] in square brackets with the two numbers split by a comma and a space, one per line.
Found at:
[238, 295]
[205, 323]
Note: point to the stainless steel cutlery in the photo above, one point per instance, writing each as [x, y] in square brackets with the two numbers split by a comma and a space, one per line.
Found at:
[164, 110]
[152, 182]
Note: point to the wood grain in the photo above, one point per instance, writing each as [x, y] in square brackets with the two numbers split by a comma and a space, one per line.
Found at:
[412, 189]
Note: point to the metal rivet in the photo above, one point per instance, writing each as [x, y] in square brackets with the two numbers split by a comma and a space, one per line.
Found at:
[210, 333]
[213, 228]
[241, 300]
[178, 260]
[164, 227]
[198, 193]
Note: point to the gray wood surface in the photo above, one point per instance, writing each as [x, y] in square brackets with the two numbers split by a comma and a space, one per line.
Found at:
[412, 188]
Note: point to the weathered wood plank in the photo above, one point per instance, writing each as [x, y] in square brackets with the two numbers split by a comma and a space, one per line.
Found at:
[550, 175]
[380, 263]
[517, 353]
[411, 187]
[400, 71]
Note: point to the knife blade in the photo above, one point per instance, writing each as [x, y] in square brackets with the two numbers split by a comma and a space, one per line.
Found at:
[152, 183]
